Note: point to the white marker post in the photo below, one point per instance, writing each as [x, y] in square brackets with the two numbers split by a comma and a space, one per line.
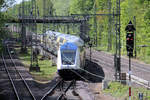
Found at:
[130, 77]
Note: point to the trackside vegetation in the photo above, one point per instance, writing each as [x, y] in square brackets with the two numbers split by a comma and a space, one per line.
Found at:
[120, 91]
[47, 71]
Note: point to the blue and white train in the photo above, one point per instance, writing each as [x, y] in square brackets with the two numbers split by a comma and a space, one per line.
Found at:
[70, 53]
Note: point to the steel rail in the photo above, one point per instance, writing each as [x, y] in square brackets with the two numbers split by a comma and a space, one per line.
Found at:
[125, 63]
[51, 90]
[24, 81]
[60, 97]
[10, 78]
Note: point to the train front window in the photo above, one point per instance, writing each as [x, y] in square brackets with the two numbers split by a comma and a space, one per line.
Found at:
[68, 57]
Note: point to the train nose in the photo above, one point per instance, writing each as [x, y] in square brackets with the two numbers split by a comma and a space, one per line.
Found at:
[68, 54]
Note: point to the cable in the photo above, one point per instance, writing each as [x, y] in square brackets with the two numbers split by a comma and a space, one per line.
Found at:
[82, 70]
[86, 72]
[79, 75]
[92, 74]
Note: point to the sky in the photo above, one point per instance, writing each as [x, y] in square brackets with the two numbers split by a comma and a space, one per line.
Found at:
[18, 1]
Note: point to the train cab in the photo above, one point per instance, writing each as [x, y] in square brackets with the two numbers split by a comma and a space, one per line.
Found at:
[68, 58]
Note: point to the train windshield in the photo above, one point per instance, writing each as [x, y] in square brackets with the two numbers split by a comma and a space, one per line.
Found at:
[68, 57]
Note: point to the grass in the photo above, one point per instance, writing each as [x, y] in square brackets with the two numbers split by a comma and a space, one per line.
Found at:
[120, 91]
[47, 71]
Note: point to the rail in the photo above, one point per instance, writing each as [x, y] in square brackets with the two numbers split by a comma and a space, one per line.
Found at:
[139, 81]
[70, 84]
[51, 90]
[10, 78]
[17, 72]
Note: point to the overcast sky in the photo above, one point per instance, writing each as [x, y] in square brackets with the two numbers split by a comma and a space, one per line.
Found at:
[18, 1]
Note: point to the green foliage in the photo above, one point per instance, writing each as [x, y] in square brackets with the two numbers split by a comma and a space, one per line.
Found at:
[81, 7]
[1, 3]
[116, 89]
[47, 71]
[3, 18]
[61, 7]
[147, 14]
[120, 91]
[52, 7]
[129, 8]
[142, 1]
[141, 12]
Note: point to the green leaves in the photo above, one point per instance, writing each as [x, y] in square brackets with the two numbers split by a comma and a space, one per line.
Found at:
[81, 6]
[142, 1]
[147, 14]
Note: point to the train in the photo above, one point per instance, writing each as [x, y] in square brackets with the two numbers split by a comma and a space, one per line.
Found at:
[70, 52]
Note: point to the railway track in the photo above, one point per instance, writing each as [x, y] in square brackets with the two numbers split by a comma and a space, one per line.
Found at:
[59, 90]
[20, 87]
[125, 62]
[139, 70]
[108, 60]
[51, 90]
[24, 92]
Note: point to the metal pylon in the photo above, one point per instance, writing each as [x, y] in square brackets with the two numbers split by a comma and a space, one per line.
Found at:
[23, 30]
[34, 49]
[95, 23]
[44, 26]
[117, 56]
[109, 27]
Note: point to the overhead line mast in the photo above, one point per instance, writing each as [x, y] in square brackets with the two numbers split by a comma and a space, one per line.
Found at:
[117, 57]
[23, 30]
[34, 51]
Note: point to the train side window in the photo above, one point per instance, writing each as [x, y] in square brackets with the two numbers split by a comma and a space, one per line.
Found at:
[61, 40]
[58, 39]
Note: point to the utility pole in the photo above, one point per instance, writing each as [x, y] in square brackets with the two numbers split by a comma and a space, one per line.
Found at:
[31, 28]
[130, 77]
[95, 23]
[23, 31]
[109, 27]
[134, 19]
[117, 56]
[34, 51]
[44, 26]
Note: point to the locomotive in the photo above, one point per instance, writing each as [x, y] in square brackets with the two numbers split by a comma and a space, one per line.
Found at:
[70, 53]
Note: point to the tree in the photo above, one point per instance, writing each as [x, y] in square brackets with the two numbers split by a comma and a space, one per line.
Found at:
[4, 4]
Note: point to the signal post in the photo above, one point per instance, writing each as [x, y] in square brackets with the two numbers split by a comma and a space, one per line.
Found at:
[130, 46]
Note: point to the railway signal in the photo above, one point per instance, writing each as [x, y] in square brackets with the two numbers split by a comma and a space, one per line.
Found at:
[130, 38]
[130, 46]
[130, 43]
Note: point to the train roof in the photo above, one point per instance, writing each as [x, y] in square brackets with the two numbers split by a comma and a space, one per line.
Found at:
[69, 38]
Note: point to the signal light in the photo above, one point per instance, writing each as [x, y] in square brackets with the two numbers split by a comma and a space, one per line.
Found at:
[130, 38]
[130, 43]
